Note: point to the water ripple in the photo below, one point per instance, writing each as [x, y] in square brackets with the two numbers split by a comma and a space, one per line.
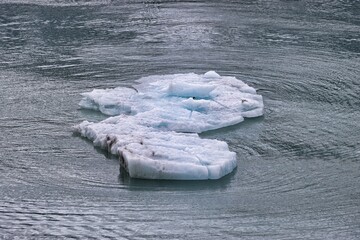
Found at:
[297, 174]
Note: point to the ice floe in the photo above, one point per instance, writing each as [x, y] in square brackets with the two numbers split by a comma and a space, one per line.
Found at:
[147, 153]
[154, 124]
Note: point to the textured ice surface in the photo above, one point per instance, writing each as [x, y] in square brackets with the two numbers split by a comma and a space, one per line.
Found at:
[154, 127]
[180, 102]
[149, 153]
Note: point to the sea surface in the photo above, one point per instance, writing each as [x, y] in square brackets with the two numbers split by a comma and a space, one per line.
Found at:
[298, 174]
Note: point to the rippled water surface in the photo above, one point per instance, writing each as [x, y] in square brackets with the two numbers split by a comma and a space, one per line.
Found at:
[298, 174]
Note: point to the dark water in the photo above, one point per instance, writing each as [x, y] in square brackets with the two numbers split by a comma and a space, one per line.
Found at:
[298, 174]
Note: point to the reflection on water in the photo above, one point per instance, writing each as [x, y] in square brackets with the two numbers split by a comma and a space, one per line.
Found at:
[298, 166]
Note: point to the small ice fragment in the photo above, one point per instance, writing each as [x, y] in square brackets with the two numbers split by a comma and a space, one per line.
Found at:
[196, 104]
[211, 74]
[181, 89]
[109, 101]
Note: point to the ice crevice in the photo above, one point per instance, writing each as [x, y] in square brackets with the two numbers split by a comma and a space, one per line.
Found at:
[153, 126]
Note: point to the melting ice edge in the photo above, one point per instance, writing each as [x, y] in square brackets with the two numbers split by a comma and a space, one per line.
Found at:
[153, 126]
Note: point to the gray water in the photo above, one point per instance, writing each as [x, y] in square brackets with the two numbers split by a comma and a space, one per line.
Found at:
[298, 174]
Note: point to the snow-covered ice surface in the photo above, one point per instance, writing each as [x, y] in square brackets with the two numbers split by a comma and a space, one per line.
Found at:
[149, 153]
[154, 124]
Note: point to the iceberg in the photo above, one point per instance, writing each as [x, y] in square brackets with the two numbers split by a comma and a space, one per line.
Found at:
[147, 153]
[153, 126]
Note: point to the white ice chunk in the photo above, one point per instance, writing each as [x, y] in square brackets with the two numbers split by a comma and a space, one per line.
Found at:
[211, 74]
[159, 114]
[163, 102]
[151, 154]
[109, 101]
[193, 104]
[181, 89]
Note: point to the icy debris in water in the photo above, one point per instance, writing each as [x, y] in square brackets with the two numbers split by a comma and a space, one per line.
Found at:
[149, 153]
[154, 127]
[211, 74]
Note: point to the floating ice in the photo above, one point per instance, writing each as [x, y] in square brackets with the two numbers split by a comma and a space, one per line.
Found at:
[148, 153]
[180, 102]
[154, 127]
